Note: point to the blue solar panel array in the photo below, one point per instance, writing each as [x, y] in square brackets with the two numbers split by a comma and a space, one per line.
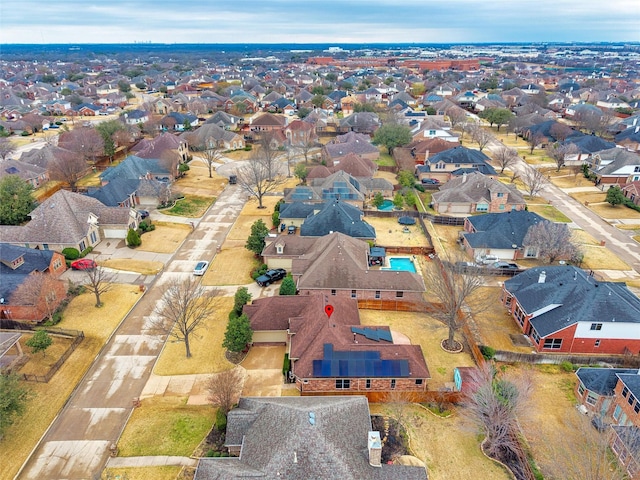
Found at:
[373, 334]
[339, 190]
[302, 193]
[357, 364]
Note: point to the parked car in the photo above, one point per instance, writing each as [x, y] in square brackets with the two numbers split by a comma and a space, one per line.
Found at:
[271, 276]
[430, 181]
[505, 266]
[291, 230]
[200, 268]
[83, 264]
[143, 214]
[486, 259]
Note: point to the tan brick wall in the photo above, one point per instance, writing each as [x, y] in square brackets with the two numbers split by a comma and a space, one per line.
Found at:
[359, 385]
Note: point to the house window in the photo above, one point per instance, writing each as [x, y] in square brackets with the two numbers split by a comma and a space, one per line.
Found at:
[591, 399]
[399, 294]
[519, 314]
[393, 383]
[636, 407]
[419, 381]
[581, 389]
[553, 343]
[57, 263]
[482, 207]
[636, 169]
[500, 194]
[597, 343]
[377, 294]
[93, 237]
[501, 207]
[353, 294]
[367, 383]
[535, 336]
[625, 392]
[596, 326]
[343, 384]
[532, 252]
[45, 246]
[507, 300]
[631, 399]
[432, 132]
[617, 412]
[333, 292]
[83, 246]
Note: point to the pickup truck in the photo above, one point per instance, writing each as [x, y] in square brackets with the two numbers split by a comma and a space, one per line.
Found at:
[271, 276]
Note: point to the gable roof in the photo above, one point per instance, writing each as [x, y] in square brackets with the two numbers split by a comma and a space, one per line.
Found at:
[155, 147]
[601, 380]
[333, 446]
[476, 187]
[463, 155]
[568, 295]
[337, 216]
[134, 167]
[33, 261]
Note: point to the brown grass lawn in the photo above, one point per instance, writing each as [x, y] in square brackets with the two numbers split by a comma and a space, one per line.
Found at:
[550, 213]
[251, 206]
[445, 237]
[145, 267]
[97, 324]
[239, 154]
[583, 238]
[46, 190]
[495, 324]
[91, 180]
[206, 347]
[165, 426]
[566, 179]
[449, 446]
[601, 258]
[390, 233]
[166, 238]
[197, 181]
[599, 206]
[38, 363]
[231, 266]
[390, 176]
[428, 333]
[142, 473]
[241, 229]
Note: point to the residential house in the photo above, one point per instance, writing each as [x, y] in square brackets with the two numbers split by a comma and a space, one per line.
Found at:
[563, 309]
[32, 174]
[224, 120]
[625, 444]
[68, 219]
[585, 146]
[86, 109]
[500, 234]
[131, 192]
[135, 117]
[267, 122]
[338, 265]
[370, 359]
[615, 166]
[349, 143]
[34, 303]
[417, 152]
[300, 133]
[629, 138]
[156, 147]
[360, 122]
[455, 162]
[475, 192]
[431, 128]
[595, 388]
[137, 167]
[337, 216]
[632, 191]
[317, 437]
[211, 133]
[179, 121]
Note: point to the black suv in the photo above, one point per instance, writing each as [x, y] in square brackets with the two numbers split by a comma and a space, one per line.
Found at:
[271, 276]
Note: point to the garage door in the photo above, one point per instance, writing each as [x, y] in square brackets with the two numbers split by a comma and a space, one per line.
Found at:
[114, 233]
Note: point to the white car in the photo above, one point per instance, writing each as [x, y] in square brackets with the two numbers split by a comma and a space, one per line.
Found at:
[201, 267]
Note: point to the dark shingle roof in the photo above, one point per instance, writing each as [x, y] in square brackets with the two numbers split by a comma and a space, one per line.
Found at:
[34, 261]
[501, 230]
[337, 216]
[601, 380]
[631, 381]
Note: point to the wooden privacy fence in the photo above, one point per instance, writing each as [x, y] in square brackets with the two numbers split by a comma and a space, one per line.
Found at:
[619, 361]
[393, 305]
[429, 396]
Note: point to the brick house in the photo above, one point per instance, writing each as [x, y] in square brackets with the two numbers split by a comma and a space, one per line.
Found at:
[337, 265]
[475, 192]
[335, 353]
[30, 303]
[455, 162]
[595, 388]
[563, 309]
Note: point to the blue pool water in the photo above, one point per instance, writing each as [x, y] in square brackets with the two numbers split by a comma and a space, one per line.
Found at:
[404, 264]
[386, 206]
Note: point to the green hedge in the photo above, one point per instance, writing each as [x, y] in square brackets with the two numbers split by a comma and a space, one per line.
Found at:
[71, 253]
[286, 365]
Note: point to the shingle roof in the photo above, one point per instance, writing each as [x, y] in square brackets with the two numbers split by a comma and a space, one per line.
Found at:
[631, 381]
[134, 167]
[34, 260]
[337, 216]
[571, 296]
[279, 440]
[601, 380]
[501, 230]
[462, 155]
[476, 187]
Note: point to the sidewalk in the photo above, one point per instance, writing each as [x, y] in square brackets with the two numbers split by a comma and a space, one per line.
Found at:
[161, 461]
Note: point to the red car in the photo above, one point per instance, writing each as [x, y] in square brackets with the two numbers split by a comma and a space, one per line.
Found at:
[83, 264]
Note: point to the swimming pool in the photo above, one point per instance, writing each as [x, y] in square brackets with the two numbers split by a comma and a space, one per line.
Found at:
[404, 264]
[386, 206]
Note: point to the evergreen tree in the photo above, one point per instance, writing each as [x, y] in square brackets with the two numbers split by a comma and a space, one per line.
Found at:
[238, 334]
[133, 238]
[255, 242]
[241, 298]
[40, 341]
[288, 286]
[615, 196]
[16, 200]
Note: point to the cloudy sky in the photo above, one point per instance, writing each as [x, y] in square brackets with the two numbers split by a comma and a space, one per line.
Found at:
[315, 21]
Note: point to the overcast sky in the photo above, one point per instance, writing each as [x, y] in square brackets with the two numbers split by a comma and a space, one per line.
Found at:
[314, 21]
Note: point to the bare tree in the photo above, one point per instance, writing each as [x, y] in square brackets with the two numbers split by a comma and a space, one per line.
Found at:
[98, 282]
[68, 166]
[6, 148]
[397, 403]
[535, 140]
[39, 288]
[494, 403]
[267, 153]
[290, 157]
[49, 137]
[306, 144]
[123, 138]
[560, 152]
[560, 131]
[553, 241]
[186, 305]
[451, 289]
[480, 136]
[255, 178]
[211, 153]
[85, 141]
[585, 455]
[225, 389]
[505, 157]
[534, 181]
[456, 116]
[34, 121]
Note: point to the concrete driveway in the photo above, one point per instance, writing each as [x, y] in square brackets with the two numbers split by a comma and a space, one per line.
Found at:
[264, 372]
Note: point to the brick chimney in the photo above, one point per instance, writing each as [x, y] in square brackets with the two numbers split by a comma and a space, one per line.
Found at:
[375, 449]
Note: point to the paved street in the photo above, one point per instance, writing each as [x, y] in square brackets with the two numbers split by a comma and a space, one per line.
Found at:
[76, 446]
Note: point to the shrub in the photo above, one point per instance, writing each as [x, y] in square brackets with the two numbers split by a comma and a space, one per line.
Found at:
[216, 454]
[419, 187]
[288, 286]
[567, 366]
[286, 365]
[146, 226]
[86, 252]
[71, 253]
[259, 271]
[183, 168]
[133, 238]
[487, 352]
[275, 218]
[221, 421]
[210, 453]
[248, 147]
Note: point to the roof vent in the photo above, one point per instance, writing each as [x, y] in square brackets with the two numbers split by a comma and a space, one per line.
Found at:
[542, 277]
